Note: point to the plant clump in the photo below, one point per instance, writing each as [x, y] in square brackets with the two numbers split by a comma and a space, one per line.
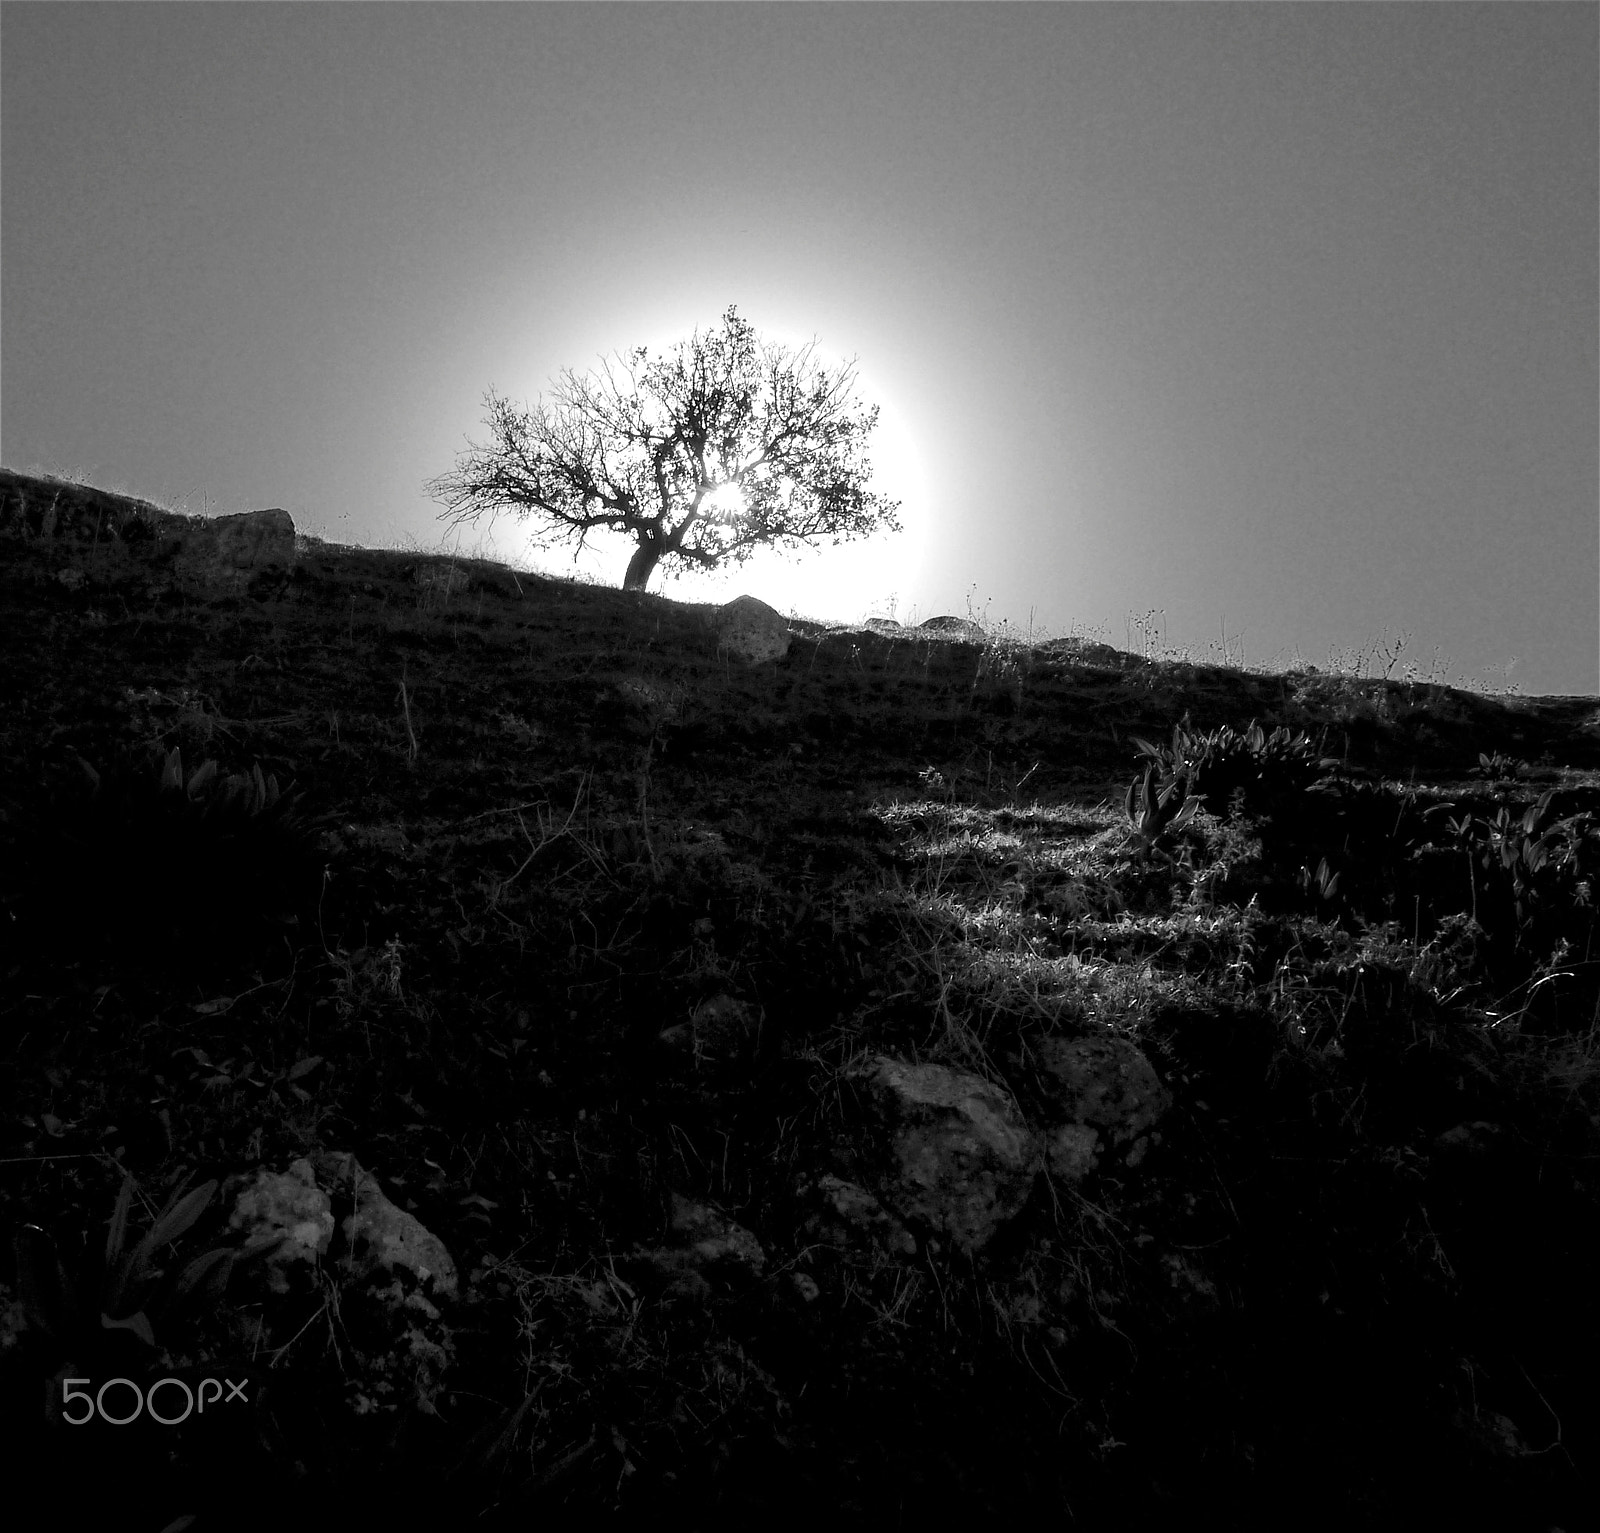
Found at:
[138, 867]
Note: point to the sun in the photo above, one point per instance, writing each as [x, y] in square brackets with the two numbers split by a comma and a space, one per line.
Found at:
[724, 504]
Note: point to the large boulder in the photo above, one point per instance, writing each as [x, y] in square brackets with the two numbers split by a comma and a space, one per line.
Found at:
[952, 1151]
[948, 627]
[1080, 651]
[751, 630]
[99, 526]
[217, 548]
[1101, 1093]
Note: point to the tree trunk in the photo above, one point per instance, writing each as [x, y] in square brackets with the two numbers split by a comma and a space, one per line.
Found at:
[644, 560]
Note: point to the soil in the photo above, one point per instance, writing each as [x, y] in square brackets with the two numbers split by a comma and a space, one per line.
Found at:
[518, 828]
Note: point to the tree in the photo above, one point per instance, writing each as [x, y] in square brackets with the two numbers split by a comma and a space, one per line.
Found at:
[702, 454]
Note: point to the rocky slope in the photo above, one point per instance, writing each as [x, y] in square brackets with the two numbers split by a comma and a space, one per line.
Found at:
[547, 1051]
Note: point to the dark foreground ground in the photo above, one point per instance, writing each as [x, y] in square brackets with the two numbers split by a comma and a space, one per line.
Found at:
[534, 826]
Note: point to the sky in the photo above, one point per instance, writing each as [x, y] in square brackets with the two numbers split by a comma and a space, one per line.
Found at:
[1277, 321]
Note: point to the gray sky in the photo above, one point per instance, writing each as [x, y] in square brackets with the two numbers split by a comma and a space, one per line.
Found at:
[1282, 319]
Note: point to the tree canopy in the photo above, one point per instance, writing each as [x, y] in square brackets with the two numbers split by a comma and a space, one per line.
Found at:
[702, 454]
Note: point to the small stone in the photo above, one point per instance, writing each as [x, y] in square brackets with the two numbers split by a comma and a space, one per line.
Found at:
[706, 1244]
[848, 1215]
[714, 1238]
[724, 1026]
[679, 1037]
[1474, 1140]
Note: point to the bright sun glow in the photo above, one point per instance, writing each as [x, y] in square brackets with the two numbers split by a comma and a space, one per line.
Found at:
[873, 577]
[724, 503]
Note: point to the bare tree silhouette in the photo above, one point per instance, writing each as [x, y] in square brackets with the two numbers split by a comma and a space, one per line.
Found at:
[716, 447]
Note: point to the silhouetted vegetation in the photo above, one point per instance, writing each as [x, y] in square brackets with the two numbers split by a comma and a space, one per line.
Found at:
[653, 449]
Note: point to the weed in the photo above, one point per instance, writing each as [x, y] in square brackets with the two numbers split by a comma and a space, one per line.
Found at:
[1157, 809]
[127, 1289]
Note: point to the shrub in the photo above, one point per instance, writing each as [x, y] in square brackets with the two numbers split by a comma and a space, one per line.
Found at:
[1499, 767]
[1238, 771]
[141, 865]
[1524, 873]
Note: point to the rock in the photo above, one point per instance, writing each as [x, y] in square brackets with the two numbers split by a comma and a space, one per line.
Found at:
[654, 703]
[714, 1238]
[952, 627]
[685, 1282]
[220, 547]
[411, 1367]
[883, 625]
[382, 1238]
[15, 1323]
[848, 1215]
[440, 579]
[1098, 1090]
[679, 1038]
[706, 1245]
[954, 1152]
[102, 524]
[291, 1207]
[1080, 651]
[1492, 1433]
[1072, 1151]
[393, 1270]
[721, 1031]
[751, 630]
[98, 524]
[1475, 1139]
[1190, 1281]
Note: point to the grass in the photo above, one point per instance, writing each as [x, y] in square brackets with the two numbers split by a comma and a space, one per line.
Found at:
[546, 822]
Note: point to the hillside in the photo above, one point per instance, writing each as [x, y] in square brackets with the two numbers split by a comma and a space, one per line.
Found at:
[568, 1069]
